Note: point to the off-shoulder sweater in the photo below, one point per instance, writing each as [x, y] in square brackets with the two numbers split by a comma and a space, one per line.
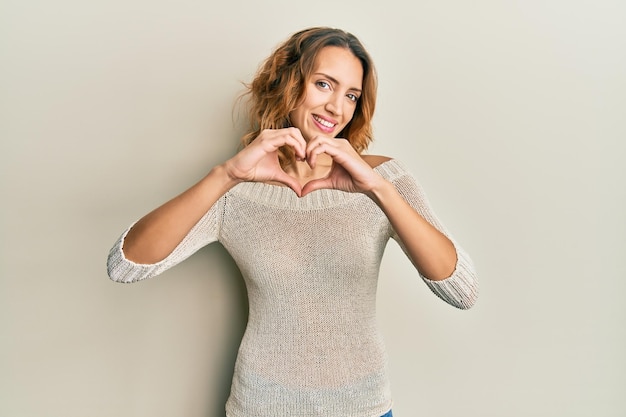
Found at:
[311, 346]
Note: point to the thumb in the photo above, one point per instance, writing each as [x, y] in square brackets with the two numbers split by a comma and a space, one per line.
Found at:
[290, 182]
[317, 184]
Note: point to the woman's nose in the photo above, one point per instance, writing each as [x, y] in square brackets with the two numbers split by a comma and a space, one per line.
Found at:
[335, 105]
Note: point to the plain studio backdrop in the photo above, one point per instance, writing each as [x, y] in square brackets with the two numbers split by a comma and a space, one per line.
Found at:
[510, 113]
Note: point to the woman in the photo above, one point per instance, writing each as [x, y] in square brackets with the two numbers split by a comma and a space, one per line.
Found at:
[306, 216]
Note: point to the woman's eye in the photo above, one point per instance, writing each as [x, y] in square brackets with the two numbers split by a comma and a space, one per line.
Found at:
[323, 84]
[353, 97]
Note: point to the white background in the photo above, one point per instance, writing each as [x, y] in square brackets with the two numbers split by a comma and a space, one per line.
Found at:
[510, 113]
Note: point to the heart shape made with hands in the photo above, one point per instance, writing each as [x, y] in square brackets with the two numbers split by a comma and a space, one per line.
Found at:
[320, 173]
[328, 176]
[332, 163]
[301, 189]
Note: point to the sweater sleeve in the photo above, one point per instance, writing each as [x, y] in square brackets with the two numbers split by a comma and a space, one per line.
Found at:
[461, 288]
[121, 269]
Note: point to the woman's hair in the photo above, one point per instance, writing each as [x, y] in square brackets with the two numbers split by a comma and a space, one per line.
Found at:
[279, 86]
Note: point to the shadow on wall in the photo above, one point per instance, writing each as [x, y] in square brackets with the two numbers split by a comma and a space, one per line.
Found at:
[234, 324]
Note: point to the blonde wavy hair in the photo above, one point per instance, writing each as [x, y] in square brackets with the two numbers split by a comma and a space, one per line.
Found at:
[279, 87]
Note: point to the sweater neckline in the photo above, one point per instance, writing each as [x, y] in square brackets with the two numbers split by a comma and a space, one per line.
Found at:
[284, 197]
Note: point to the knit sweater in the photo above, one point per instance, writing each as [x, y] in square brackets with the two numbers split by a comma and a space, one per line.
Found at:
[311, 346]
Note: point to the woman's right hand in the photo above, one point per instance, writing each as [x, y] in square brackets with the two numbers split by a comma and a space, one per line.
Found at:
[259, 162]
[156, 234]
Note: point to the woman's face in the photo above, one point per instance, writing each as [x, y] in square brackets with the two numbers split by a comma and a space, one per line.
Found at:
[331, 94]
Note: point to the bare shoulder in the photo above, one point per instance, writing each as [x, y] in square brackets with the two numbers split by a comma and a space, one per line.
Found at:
[375, 160]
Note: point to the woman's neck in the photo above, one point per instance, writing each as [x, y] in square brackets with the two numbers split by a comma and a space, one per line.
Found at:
[302, 172]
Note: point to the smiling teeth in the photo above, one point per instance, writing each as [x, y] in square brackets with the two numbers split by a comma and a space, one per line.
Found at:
[324, 122]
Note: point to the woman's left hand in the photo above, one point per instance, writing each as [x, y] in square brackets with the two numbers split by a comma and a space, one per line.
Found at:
[429, 249]
[349, 172]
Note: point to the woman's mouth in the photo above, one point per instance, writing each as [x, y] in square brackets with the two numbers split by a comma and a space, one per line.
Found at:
[325, 125]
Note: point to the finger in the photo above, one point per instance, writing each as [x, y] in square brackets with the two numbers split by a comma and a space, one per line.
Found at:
[290, 182]
[311, 158]
[296, 133]
[300, 143]
[319, 147]
[297, 146]
[312, 150]
[317, 184]
[272, 139]
[312, 154]
[291, 137]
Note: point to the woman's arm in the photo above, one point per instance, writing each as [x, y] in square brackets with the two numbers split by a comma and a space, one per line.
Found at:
[460, 287]
[443, 265]
[426, 241]
[156, 236]
[429, 249]
[432, 252]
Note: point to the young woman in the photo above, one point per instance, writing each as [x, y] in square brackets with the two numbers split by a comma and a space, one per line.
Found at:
[306, 217]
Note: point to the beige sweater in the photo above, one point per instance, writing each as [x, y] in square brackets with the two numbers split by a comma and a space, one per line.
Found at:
[311, 346]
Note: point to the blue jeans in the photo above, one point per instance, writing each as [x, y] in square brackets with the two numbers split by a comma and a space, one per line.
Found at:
[388, 414]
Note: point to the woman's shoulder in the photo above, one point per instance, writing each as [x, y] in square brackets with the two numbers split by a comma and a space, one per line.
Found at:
[389, 168]
[375, 160]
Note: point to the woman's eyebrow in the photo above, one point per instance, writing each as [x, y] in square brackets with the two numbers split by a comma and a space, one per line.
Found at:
[335, 81]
